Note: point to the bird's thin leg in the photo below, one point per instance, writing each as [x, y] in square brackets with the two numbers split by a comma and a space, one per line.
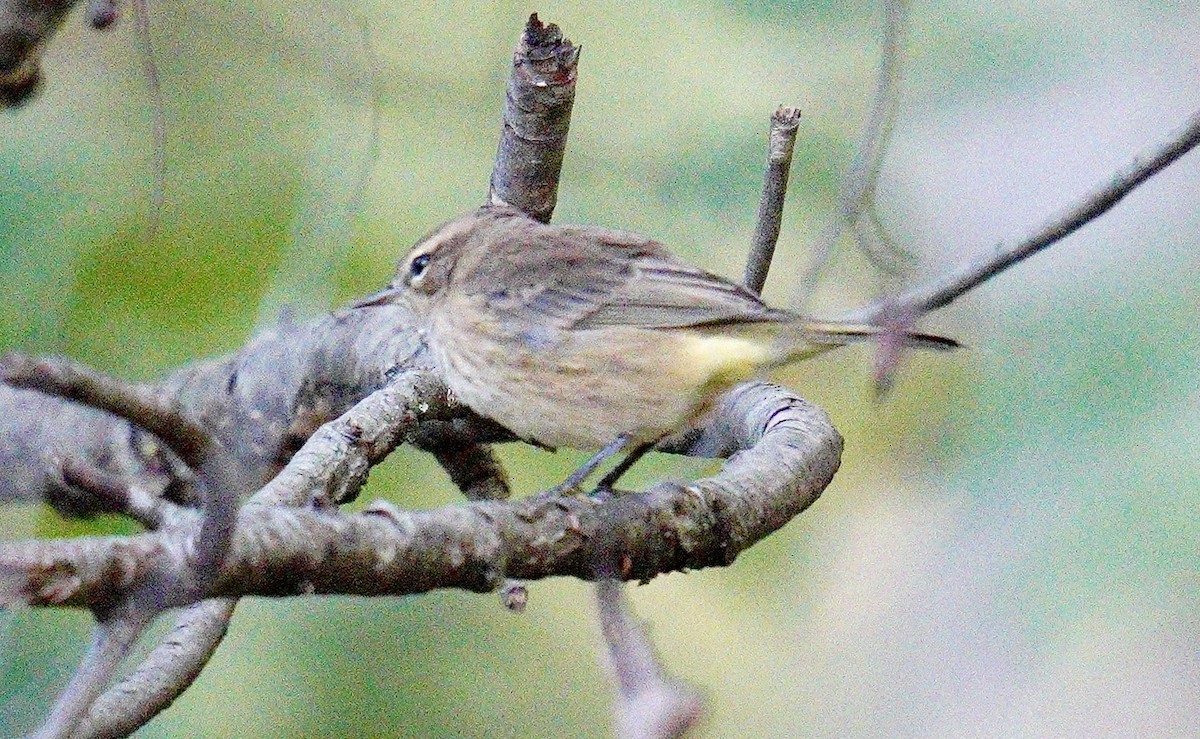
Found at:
[606, 483]
[578, 476]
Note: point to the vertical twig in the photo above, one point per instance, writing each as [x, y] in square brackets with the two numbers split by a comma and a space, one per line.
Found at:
[537, 115]
[158, 126]
[784, 125]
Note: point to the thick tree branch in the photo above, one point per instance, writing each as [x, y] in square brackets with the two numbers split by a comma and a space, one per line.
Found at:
[271, 396]
[137, 404]
[266, 402]
[791, 453]
[208, 461]
[318, 474]
[41, 432]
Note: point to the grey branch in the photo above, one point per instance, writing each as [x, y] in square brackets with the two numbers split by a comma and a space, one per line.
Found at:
[266, 401]
[120, 622]
[791, 452]
[474, 469]
[169, 668]
[537, 115]
[782, 141]
[207, 459]
[317, 474]
[944, 289]
[649, 704]
[112, 639]
[859, 188]
[139, 405]
[321, 471]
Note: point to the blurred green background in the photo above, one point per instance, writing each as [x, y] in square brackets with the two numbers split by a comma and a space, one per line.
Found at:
[1012, 544]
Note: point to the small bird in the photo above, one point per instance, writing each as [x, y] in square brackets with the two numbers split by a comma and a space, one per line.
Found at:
[589, 338]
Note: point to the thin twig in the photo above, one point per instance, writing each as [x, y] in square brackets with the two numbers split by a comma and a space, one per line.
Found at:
[158, 126]
[330, 466]
[784, 124]
[649, 704]
[137, 404]
[943, 290]
[213, 481]
[118, 494]
[169, 668]
[784, 451]
[858, 188]
[112, 639]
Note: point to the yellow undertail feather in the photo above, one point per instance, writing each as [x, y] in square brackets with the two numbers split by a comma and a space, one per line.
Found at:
[725, 360]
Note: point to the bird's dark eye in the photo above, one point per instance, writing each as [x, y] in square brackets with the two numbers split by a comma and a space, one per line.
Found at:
[418, 266]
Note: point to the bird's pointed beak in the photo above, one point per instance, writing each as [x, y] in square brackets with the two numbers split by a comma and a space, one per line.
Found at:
[387, 295]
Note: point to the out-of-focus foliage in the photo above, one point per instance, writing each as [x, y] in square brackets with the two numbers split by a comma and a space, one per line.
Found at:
[1011, 545]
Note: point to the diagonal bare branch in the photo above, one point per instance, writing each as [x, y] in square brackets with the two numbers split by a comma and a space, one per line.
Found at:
[139, 404]
[649, 704]
[173, 665]
[112, 639]
[947, 287]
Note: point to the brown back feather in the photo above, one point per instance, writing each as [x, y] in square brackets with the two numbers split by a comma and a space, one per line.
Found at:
[576, 277]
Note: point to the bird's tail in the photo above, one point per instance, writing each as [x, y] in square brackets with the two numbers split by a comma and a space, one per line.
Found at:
[806, 338]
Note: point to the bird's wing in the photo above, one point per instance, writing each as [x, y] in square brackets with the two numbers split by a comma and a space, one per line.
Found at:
[573, 277]
[666, 293]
